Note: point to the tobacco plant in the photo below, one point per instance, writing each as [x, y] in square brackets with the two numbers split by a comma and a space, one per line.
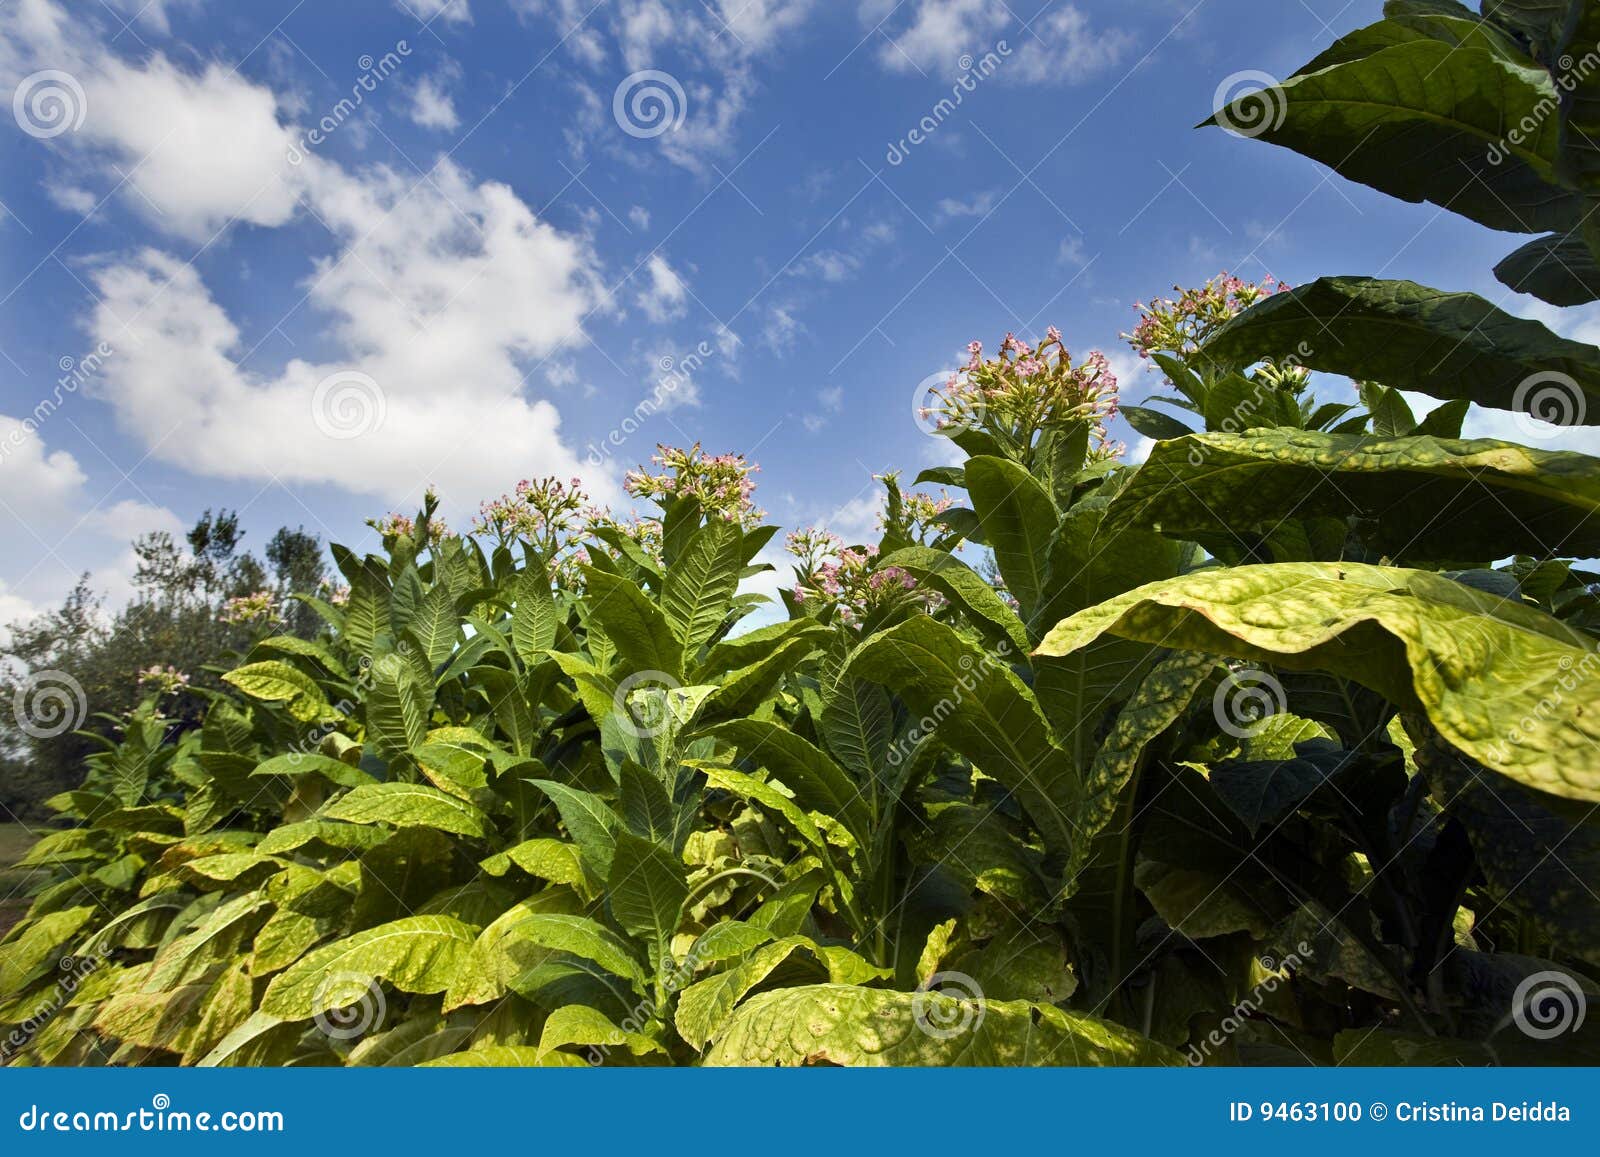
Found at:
[1279, 746]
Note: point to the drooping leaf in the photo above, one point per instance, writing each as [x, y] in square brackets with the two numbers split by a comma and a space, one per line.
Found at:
[409, 805]
[413, 954]
[1447, 345]
[633, 623]
[964, 587]
[1559, 268]
[1471, 662]
[1429, 498]
[844, 1025]
[816, 780]
[1427, 121]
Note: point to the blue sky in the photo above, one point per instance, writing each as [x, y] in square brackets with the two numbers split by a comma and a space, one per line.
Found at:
[304, 259]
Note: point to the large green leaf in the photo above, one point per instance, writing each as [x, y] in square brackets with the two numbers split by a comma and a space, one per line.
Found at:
[408, 805]
[964, 587]
[1447, 345]
[705, 1006]
[1431, 498]
[1487, 672]
[1425, 120]
[434, 626]
[842, 1024]
[277, 682]
[646, 890]
[398, 703]
[633, 623]
[533, 622]
[978, 707]
[1018, 519]
[415, 954]
[1559, 268]
[817, 781]
[701, 582]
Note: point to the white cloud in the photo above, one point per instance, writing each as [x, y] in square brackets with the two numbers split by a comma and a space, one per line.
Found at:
[38, 483]
[57, 528]
[780, 330]
[1071, 251]
[828, 264]
[939, 36]
[448, 282]
[1063, 47]
[73, 199]
[445, 293]
[640, 216]
[431, 104]
[978, 205]
[708, 47]
[448, 11]
[665, 297]
[152, 14]
[560, 374]
[191, 152]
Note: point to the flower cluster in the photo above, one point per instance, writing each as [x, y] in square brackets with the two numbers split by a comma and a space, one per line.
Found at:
[427, 530]
[720, 483]
[1024, 391]
[846, 577]
[163, 679]
[336, 594]
[260, 607]
[1181, 325]
[543, 511]
[917, 514]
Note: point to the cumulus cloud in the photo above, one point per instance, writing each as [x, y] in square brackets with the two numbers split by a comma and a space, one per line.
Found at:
[57, 527]
[664, 297]
[432, 306]
[431, 104]
[436, 297]
[937, 38]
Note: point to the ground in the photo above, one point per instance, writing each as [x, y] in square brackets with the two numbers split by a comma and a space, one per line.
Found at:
[15, 840]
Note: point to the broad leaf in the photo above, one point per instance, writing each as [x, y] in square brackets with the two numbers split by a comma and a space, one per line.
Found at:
[1447, 345]
[414, 954]
[1487, 672]
[1429, 498]
[841, 1024]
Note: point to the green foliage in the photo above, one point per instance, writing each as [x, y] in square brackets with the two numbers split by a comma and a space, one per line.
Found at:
[1276, 748]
